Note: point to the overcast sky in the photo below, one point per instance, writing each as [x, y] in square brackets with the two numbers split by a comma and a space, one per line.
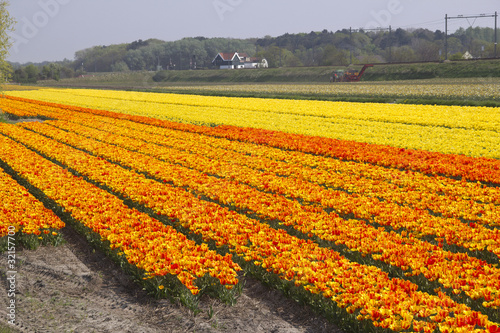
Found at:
[55, 29]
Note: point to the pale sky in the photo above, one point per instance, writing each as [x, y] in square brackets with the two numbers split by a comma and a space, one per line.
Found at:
[50, 30]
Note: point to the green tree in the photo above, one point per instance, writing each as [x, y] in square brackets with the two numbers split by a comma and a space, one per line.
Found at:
[27, 74]
[32, 73]
[403, 54]
[273, 55]
[454, 45]
[135, 60]
[119, 66]
[6, 25]
[67, 72]
[333, 56]
[425, 50]
[51, 71]
[20, 76]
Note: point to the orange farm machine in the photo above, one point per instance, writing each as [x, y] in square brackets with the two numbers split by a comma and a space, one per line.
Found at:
[349, 75]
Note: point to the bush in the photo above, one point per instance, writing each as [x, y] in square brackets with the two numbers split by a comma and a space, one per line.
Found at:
[161, 76]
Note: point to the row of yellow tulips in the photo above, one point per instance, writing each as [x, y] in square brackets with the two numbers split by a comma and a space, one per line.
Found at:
[445, 129]
[478, 118]
[9, 87]
[146, 243]
[366, 290]
[457, 271]
[476, 169]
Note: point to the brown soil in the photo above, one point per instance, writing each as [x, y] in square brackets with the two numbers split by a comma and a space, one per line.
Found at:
[72, 288]
[25, 120]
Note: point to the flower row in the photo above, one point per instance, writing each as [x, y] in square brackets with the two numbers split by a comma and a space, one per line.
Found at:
[462, 199]
[364, 290]
[21, 210]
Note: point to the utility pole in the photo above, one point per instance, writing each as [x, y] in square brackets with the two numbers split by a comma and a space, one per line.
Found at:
[496, 40]
[446, 18]
[350, 42]
[446, 37]
[390, 37]
[390, 44]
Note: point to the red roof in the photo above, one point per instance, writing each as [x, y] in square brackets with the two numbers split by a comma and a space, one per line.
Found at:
[227, 56]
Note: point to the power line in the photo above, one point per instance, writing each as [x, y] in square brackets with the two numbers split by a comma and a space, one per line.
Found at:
[420, 24]
[467, 17]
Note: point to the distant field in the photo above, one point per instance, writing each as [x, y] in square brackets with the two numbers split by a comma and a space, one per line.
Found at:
[465, 92]
[8, 87]
[482, 92]
[473, 83]
[380, 72]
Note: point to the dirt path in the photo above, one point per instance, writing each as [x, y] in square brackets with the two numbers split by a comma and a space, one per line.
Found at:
[73, 288]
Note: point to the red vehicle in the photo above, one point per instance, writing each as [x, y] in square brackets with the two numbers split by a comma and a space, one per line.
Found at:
[350, 75]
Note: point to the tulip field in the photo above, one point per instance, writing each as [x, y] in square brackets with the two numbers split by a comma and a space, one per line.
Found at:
[445, 129]
[382, 217]
[451, 89]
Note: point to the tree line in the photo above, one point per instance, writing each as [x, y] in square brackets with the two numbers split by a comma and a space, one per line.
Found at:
[325, 48]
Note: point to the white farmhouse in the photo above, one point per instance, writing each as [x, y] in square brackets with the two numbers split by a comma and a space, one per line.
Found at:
[235, 60]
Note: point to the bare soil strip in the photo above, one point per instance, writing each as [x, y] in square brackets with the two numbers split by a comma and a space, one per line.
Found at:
[73, 288]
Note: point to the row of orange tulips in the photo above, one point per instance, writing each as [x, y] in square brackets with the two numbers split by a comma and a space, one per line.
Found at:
[364, 290]
[419, 222]
[11, 109]
[145, 242]
[457, 271]
[21, 211]
[187, 141]
[462, 199]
